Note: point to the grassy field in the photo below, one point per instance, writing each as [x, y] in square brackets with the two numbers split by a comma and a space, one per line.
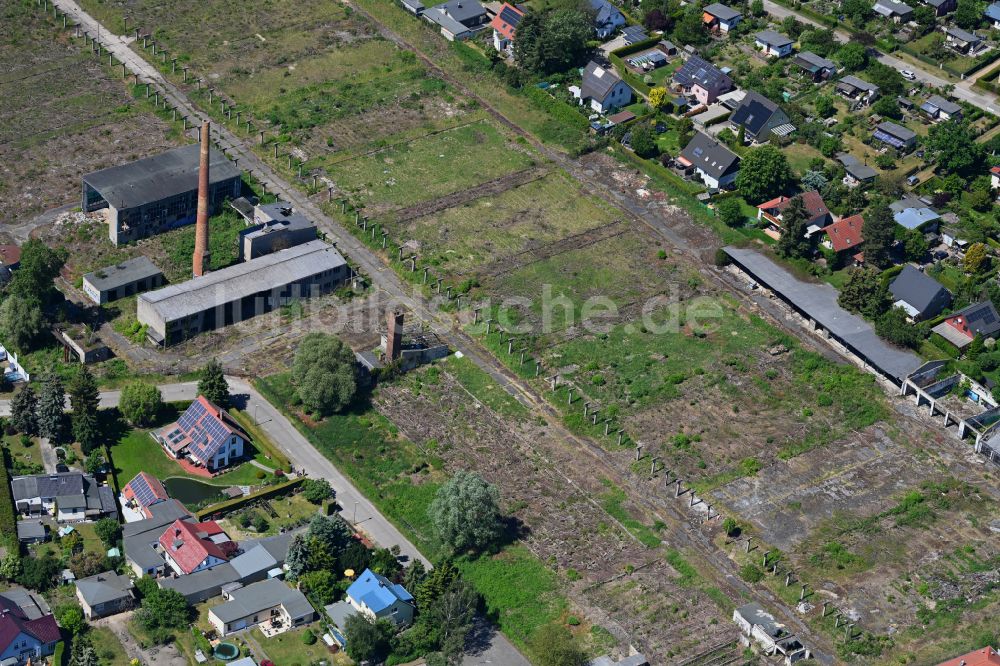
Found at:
[429, 167]
[468, 238]
[481, 385]
[292, 510]
[401, 478]
[62, 116]
[109, 648]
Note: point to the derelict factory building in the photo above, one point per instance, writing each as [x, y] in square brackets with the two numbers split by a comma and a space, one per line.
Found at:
[240, 291]
[157, 193]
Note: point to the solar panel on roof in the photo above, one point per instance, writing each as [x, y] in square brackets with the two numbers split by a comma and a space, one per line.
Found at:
[509, 16]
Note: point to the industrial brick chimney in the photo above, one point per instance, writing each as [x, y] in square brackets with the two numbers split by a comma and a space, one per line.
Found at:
[394, 336]
[202, 255]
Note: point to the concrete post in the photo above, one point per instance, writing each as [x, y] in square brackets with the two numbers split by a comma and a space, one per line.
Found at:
[825, 605]
[691, 501]
[173, 115]
[552, 379]
[569, 393]
[314, 187]
[449, 292]
[173, 66]
[475, 315]
[595, 418]
[510, 347]
[425, 278]
[619, 438]
[538, 368]
[123, 71]
[211, 95]
[677, 487]
[248, 131]
[185, 70]
[749, 540]
[399, 256]
[262, 143]
[802, 593]
[147, 91]
[788, 579]
[836, 623]
[586, 409]
[384, 234]
[638, 452]
[413, 263]
[184, 122]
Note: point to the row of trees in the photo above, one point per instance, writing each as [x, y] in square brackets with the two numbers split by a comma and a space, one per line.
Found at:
[43, 414]
[30, 294]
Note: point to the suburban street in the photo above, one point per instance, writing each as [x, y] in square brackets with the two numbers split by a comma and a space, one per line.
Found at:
[355, 507]
[963, 90]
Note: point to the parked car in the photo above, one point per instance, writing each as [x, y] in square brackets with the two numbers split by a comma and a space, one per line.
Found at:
[912, 180]
[908, 75]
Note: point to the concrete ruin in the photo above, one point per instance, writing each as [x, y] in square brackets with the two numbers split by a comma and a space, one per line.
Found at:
[759, 627]
[406, 348]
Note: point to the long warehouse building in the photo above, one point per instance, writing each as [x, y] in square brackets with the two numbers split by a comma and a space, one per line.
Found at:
[241, 291]
[158, 193]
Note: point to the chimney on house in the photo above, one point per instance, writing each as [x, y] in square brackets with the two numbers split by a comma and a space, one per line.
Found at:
[394, 336]
[202, 256]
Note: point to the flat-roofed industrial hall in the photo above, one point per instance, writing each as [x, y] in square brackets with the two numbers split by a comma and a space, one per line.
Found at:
[240, 291]
[158, 193]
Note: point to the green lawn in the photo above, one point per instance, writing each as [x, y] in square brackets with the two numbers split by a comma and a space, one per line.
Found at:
[91, 542]
[136, 451]
[29, 456]
[288, 648]
[109, 648]
[478, 383]
[292, 511]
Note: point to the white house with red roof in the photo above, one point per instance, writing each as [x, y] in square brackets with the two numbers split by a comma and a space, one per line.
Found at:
[188, 547]
[995, 177]
[985, 657]
[142, 492]
[204, 434]
[771, 212]
[504, 26]
[28, 632]
[845, 236]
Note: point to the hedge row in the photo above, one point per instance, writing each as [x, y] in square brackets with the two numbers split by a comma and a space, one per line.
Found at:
[636, 47]
[8, 514]
[222, 508]
[987, 81]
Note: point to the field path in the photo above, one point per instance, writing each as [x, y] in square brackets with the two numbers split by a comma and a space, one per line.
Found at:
[678, 229]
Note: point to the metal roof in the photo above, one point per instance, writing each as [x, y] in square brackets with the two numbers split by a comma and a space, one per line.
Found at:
[158, 177]
[942, 104]
[772, 38]
[754, 112]
[258, 597]
[121, 274]
[229, 284]
[963, 35]
[721, 11]
[810, 61]
[819, 302]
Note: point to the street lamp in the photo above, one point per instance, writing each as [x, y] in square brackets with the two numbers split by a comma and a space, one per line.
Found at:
[355, 521]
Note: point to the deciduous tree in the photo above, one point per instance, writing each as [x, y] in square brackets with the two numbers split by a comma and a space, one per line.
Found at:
[977, 258]
[555, 41]
[852, 56]
[140, 403]
[764, 174]
[323, 373]
[731, 213]
[554, 645]
[367, 640]
[465, 513]
[658, 96]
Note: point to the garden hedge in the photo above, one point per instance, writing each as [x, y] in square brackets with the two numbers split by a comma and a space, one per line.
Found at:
[222, 508]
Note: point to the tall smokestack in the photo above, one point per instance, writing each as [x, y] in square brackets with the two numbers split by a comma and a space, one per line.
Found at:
[202, 256]
[394, 336]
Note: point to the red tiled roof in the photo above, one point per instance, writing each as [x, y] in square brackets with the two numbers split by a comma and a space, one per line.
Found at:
[985, 657]
[503, 27]
[10, 254]
[995, 170]
[13, 622]
[188, 545]
[846, 233]
[813, 202]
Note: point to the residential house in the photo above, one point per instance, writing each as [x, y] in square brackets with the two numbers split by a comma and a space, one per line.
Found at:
[857, 90]
[773, 43]
[759, 627]
[607, 18]
[760, 118]
[995, 177]
[951, 235]
[141, 538]
[960, 328]
[820, 69]
[105, 594]
[914, 214]
[941, 7]
[845, 238]
[31, 531]
[142, 492]
[920, 295]
[204, 434]
[702, 79]
[718, 16]
[270, 601]
[381, 599]
[992, 14]
[984, 657]
[939, 109]
[458, 19]
[188, 546]
[963, 41]
[28, 631]
[899, 12]
[856, 173]
[771, 213]
[603, 89]
[69, 496]
[504, 25]
[712, 161]
[897, 136]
